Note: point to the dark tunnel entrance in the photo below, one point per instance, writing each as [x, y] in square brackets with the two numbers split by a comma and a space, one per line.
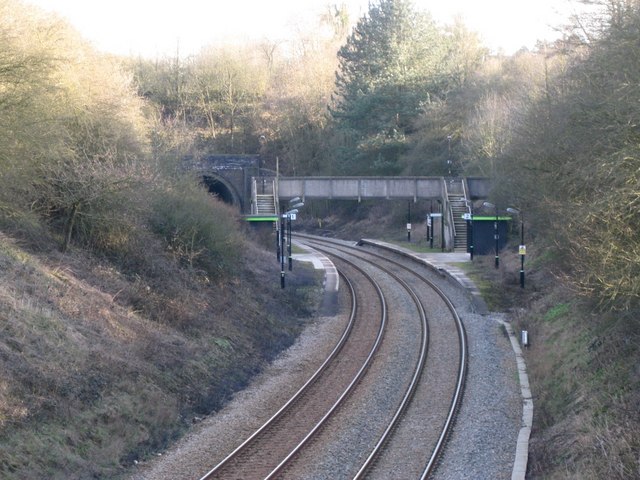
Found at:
[219, 189]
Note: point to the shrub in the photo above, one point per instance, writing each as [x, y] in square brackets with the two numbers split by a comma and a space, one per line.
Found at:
[199, 230]
[89, 202]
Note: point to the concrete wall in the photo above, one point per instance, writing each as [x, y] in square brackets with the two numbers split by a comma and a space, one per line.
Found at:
[478, 187]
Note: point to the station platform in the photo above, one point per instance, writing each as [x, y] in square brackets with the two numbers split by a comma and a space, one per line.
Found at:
[445, 264]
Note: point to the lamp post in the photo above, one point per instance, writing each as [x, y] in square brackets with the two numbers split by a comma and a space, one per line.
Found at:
[496, 235]
[441, 216]
[282, 246]
[523, 248]
[432, 227]
[409, 222]
[442, 242]
[284, 236]
[470, 229]
[449, 162]
[278, 240]
[289, 241]
[291, 216]
[429, 221]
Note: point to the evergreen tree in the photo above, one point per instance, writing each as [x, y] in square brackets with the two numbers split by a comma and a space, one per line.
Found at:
[389, 68]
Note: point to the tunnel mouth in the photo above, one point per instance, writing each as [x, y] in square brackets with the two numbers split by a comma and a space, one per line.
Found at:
[219, 189]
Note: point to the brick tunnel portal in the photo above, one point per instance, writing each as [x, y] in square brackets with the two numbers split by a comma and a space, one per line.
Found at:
[220, 189]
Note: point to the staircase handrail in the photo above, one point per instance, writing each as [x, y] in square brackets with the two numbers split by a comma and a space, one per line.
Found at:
[254, 196]
[276, 197]
[467, 200]
[447, 208]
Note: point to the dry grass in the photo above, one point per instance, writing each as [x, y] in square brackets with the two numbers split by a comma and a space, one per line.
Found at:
[583, 365]
[101, 368]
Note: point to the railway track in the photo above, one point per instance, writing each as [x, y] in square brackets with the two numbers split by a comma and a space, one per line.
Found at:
[265, 453]
[445, 373]
[313, 429]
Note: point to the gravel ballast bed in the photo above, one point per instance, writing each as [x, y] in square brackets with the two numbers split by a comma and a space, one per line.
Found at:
[484, 439]
[483, 442]
[219, 434]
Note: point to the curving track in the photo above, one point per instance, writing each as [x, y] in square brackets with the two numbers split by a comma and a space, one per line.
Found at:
[413, 446]
[383, 402]
[262, 454]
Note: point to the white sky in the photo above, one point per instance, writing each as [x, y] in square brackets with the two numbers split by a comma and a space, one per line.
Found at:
[153, 28]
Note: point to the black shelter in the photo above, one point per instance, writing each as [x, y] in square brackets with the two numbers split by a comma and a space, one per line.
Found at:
[483, 235]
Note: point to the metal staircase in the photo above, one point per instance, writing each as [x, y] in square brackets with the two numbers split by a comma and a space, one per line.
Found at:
[264, 200]
[265, 205]
[457, 199]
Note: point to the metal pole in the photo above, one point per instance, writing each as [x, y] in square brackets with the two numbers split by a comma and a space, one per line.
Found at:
[431, 238]
[471, 248]
[449, 153]
[290, 257]
[522, 253]
[470, 236]
[409, 222]
[278, 241]
[497, 237]
[442, 242]
[428, 221]
[282, 241]
[430, 224]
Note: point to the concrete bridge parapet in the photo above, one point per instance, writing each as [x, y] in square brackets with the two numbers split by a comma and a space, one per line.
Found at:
[358, 188]
[230, 177]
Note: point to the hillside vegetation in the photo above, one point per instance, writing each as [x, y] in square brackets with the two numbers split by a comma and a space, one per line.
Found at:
[102, 368]
[131, 301]
[120, 274]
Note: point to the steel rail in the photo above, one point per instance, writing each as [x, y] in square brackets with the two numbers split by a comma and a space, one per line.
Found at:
[408, 393]
[301, 390]
[456, 401]
[348, 390]
[463, 359]
[417, 373]
[213, 472]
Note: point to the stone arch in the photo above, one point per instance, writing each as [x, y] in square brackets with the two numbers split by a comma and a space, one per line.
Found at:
[223, 189]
